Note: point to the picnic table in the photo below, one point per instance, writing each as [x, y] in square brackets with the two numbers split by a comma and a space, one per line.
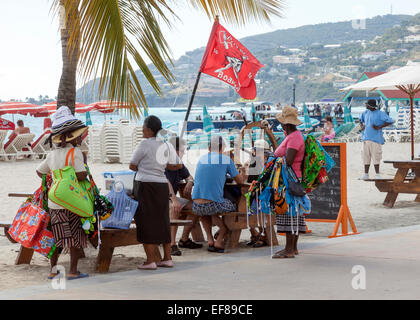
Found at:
[237, 221]
[401, 182]
[110, 239]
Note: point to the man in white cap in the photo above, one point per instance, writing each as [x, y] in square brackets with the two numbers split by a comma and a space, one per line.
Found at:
[372, 122]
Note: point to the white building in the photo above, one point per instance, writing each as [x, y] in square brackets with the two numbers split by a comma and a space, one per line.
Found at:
[349, 69]
[288, 60]
[372, 56]
[412, 38]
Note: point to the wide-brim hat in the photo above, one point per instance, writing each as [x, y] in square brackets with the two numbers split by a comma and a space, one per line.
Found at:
[289, 115]
[66, 124]
[70, 135]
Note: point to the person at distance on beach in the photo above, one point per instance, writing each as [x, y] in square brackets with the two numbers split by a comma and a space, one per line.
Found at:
[152, 191]
[293, 148]
[21, 129]
[208, 200]
[66, 225]
[372, 122]
[329, 132]
[174, 177]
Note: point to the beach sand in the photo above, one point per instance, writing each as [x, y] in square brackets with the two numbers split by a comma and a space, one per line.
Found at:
[365, 203]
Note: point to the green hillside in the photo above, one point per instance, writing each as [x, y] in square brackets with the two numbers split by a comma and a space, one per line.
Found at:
[315, 77]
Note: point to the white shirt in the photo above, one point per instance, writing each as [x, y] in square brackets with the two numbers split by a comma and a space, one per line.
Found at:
[151, 158]
[56, 159]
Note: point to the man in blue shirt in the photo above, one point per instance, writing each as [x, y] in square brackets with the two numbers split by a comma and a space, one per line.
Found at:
[208, 200]
[373, 121]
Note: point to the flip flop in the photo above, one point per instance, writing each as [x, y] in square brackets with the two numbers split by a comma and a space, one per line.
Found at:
[282, 256]
[80, 276]
[52, 277]
[216, 250]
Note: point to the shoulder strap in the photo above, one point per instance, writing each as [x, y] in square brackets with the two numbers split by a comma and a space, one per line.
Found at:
[71, 152]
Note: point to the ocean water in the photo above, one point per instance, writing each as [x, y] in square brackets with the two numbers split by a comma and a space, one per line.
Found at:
[169, 119]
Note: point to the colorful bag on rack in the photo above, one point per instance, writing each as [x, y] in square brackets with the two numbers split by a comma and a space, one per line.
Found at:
[68, 193]
[280, 203]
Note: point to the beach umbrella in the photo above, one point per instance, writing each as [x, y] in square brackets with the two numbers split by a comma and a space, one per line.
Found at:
[146, 113]
[405, 79]
[88, 119]
[107, 106]
[307, 119]
[6, 124]
[52, 108]
[207, 123]
[22, 108]
[347, 115]
[253, 113]
[398, 107]
[335, 124]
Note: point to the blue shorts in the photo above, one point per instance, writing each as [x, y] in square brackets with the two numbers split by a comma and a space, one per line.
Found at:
[213, 208]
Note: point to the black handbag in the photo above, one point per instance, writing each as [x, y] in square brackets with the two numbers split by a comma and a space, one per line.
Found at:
[295, 187]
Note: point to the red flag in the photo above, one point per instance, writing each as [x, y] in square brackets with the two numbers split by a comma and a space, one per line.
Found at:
[228, 60]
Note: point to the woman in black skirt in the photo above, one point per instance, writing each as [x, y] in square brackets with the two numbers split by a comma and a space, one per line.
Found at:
[152, 191]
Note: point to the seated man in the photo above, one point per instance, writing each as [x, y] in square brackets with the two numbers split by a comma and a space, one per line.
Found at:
[21, 129]
[174, 177]
[208, 201]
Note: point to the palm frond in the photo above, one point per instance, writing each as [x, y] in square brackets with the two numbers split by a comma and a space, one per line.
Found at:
[240, 11]
[118, 36]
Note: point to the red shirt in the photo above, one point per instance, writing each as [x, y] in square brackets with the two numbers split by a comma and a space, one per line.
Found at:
[293, 141]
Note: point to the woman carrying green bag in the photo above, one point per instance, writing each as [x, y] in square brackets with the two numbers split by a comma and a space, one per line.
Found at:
[66, 225]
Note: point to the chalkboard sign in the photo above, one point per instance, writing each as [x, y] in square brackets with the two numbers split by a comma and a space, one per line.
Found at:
[326, 199]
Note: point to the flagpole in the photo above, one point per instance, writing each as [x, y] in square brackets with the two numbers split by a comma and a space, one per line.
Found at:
[206, 53]
[184, 126]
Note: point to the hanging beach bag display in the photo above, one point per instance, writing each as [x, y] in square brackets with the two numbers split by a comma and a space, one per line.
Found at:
[293, 184]
[30, 226]
[280, 203]
[124, 208]
[68, 193]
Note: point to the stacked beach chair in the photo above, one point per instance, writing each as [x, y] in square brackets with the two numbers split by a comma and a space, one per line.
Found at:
[401, 132]
[126, 141]
[95, 145]
[110, 141]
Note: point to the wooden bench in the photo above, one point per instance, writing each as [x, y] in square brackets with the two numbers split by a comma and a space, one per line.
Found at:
[110, 239]
[401, 183]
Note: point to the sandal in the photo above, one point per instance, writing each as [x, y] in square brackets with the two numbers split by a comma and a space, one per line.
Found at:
[189, 244]
[79, 276]
[282, 255]
[260, 242]
[216, 250]
[253, 240]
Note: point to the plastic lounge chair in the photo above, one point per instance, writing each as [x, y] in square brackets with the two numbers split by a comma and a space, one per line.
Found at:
[18, 145]
[3, 135]
[39, 147]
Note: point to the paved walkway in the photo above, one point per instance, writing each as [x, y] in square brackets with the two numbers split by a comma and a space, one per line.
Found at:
[391, 260]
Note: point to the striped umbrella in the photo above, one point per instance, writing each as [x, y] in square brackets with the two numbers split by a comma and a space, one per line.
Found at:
[80, 107]
[207, 123]
[22, 108]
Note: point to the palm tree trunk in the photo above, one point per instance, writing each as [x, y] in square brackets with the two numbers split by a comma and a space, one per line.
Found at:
[70, 54]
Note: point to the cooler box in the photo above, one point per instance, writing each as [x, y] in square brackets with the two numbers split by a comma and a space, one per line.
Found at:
[126, 177]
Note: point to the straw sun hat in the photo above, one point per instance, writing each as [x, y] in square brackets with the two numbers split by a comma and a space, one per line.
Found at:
[289, 115]
[65, 123]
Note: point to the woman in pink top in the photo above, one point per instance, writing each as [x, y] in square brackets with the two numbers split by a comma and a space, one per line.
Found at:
[293, 147]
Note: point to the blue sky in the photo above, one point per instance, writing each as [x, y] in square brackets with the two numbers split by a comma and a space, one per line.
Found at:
[30, 51]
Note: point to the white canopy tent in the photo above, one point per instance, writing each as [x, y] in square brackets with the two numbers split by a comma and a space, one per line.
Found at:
[406, 79]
